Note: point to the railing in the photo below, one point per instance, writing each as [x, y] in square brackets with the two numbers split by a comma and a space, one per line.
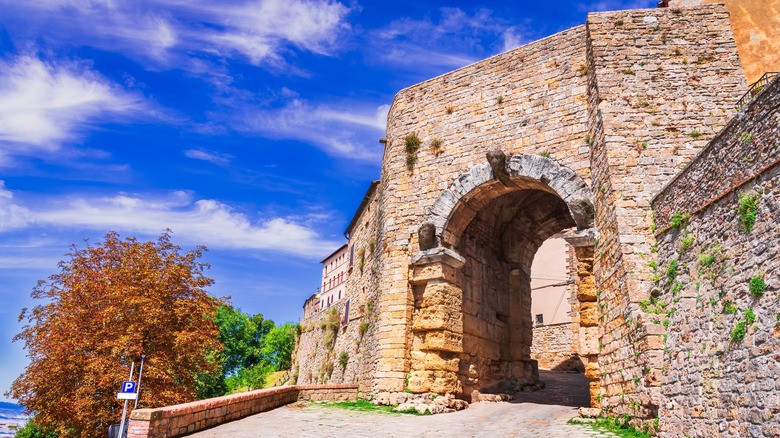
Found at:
[756, 88]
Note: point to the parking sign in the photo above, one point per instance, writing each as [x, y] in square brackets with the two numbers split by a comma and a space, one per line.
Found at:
[128, 386]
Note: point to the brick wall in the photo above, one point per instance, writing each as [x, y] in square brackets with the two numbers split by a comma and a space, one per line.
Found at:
[717, 382]
[184, 419]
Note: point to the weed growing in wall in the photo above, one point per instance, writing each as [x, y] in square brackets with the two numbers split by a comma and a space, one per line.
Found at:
[436, 146]
[757, 286]
[747, 209]
[545, 154]
[695, 133]
[740, 330]
[672, 270]
[729, 307]
[745, 137]
[412, 143]
[343, 359]
[679, 219]
[686, 242]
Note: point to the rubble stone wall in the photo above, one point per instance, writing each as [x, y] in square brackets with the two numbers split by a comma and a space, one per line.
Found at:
[335, 349]
[721, 360]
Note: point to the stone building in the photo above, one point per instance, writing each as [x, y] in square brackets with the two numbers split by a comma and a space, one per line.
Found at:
[583, 130]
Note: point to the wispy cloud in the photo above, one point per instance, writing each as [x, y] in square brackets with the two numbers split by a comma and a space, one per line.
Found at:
[339, 132]
[218, 158]
[198, 221]
[166, 33]
[43, 105]
[456, 38]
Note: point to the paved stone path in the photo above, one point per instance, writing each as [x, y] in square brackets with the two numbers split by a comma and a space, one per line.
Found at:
[540, 414]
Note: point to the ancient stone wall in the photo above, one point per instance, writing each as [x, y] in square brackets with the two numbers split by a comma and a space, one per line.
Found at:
[553, 348]
[718, 281]
[336, 346]
[661, 83]
[528, 100]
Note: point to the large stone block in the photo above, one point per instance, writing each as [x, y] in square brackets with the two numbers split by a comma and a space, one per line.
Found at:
[438, 340]
[589, 314]
[433, 361]
[438, 317]
[441, 294]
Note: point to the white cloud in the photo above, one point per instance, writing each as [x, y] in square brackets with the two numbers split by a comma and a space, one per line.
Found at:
[43, 105]
[202, 221]
[167, 32]
[337, 131]
[218, 158]
[512, 38]
[454, 40]
[12, 216]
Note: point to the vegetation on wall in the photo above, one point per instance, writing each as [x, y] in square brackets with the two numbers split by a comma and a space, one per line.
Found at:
[411, 144]
[747, 209]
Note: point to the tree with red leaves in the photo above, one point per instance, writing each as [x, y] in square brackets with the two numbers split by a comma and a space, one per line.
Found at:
[109, 304]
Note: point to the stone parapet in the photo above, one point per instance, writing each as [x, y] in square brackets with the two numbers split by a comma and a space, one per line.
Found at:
[739, 152]
[187, 418]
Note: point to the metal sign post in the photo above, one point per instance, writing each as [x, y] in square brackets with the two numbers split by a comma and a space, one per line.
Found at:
[140, 374]
[124, 409]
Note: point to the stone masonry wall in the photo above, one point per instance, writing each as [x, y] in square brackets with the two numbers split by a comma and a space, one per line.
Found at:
[330, 349]
[553, 347]
[721, 361]
[528, 100]
[661, 83]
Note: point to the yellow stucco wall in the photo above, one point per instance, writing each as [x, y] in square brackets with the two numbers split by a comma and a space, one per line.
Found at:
[756, 26]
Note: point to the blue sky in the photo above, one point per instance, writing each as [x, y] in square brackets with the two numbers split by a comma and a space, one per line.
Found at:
[248, 126]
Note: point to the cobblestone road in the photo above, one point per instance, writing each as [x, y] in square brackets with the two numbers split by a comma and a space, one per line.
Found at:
[540, 414]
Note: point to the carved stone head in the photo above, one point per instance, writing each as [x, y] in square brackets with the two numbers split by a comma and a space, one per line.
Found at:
[497, 160]
[427, 235]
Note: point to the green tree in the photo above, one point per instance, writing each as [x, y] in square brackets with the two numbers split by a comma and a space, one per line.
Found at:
[253, 347]
[109, 304]
[279, 345]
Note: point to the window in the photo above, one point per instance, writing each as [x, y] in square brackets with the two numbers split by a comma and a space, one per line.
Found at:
[539, 318]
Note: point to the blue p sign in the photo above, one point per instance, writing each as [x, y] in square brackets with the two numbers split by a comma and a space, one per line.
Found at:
[128, 387]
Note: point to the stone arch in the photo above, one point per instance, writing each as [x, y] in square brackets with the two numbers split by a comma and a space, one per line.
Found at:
[471, 279]
[464, 198]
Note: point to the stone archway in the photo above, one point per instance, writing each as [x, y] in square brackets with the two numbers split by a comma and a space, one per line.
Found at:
[471, 280]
